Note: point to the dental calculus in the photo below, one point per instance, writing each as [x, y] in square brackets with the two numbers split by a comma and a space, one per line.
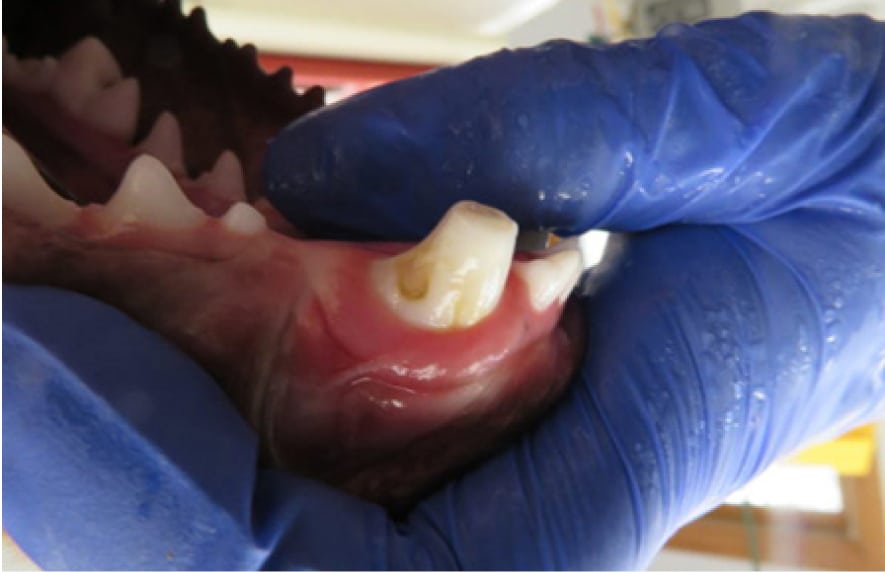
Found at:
[456, 276]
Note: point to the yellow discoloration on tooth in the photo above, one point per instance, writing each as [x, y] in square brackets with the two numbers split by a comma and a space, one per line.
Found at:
[455, 277]
[25, 191]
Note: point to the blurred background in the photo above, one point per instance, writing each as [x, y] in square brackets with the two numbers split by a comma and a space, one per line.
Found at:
[822, 509]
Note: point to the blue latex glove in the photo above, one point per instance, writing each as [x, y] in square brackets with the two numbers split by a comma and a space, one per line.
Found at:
[714, 347]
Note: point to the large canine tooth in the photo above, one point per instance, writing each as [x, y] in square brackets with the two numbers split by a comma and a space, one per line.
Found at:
[244, 219]
[84, 70]
[550, 278]
[164, 142]
[226, 178]
[25, 191]
[455, 276]
[149, 194]
[114, 110]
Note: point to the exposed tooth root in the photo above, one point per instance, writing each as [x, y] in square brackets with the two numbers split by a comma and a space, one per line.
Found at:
[164, 143]
[114, 110]
[454, 277]
[85, 69]
[25, 191]
[226, 177]
[550, 278]
[244, 219]
[150, 195]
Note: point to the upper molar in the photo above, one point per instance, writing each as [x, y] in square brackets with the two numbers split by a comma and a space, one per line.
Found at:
[454, 277]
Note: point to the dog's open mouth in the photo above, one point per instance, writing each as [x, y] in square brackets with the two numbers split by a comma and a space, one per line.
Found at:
[131, 170]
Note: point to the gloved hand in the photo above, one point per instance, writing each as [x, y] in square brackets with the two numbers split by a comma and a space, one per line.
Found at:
[739, 317]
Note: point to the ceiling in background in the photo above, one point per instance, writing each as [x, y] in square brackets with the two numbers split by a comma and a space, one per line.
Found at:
[441, 32]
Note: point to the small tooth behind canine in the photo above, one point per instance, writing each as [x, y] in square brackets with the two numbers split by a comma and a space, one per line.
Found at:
[114, 110]
[25, 191]
[83, 70]
[550, 278]
[226, 177]
[244, 219]
[454, 277]
[164, 143]
[149, 194]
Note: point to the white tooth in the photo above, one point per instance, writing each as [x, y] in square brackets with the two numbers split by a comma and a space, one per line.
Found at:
[164, 143]
[454, 277]
[244, 219]
[149, 194]
[550, 278]
[84, 70]
[226, 177]
[25, 191]
[114, 110]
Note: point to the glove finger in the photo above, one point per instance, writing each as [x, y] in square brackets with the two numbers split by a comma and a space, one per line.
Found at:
[104, 420]
[703, 124]
[701, 370]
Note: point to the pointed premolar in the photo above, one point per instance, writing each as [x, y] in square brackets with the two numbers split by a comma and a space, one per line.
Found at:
[149, 194]
[550, 278]
[25, 191]
[164, 142]
[226, 178]
[454, 277]
[242, 218]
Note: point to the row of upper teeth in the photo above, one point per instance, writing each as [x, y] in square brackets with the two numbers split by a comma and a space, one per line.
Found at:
[87, 82]
[147, 195]
[452, 279]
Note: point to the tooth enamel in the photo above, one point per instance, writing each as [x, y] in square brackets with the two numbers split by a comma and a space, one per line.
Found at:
[244, 219]
[455, 276]
[226, 177]
[149, 194]
[114, 110]
[25, 191]
[550, 278]
[164, 143]
[84, 70]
